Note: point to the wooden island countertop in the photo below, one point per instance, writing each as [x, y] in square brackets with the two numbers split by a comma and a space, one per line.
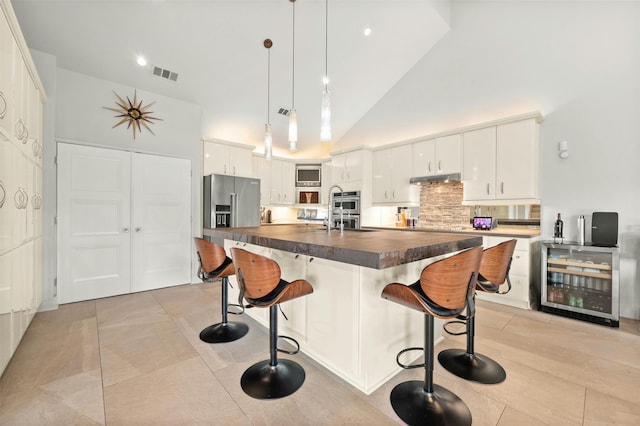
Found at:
[371, 248]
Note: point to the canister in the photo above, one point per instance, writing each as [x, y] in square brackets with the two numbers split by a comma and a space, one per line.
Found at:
[581, 230]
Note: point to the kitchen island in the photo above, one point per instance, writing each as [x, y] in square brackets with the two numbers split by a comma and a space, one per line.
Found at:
[345, 325]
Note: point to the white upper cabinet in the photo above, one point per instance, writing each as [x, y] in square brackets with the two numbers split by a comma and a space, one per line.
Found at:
[348, 166]
[501, 162]
[479, 164]
[225, 159]
[441, 155]
[391, 174]
[517, 160]
[282, 177]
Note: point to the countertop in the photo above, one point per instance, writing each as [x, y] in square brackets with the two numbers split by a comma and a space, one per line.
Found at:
[501, 231]
[372, 248]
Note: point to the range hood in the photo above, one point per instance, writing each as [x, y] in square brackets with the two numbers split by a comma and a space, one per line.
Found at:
[420, 180]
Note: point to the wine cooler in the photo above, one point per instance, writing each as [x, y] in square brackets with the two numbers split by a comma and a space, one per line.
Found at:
[581, 281]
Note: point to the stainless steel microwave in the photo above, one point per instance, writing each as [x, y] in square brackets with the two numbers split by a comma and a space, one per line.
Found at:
[308, 175]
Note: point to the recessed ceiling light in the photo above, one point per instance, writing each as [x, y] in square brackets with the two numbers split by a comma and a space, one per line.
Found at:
[367, 31]
[142, 61]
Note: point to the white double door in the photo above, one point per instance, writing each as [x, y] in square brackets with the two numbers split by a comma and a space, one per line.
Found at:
[124, 222]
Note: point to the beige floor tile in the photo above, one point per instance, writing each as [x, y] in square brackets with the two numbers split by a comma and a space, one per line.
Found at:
[182, 300]
[73, 400]
[183, 393]
[320, 401]
[49, 353]
[512, 417]
[602, 409]
[130, 309]
[127, 351]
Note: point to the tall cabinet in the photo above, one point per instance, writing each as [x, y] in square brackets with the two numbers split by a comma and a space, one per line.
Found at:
[21, 126]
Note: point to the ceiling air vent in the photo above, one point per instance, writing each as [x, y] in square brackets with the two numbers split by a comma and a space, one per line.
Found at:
[163, 73]
[283, 111]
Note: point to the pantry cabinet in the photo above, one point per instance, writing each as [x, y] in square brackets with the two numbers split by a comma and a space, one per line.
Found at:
[441, 155]
[21, 126]
[391, 174]
[501, 163]
[227, 159]
[277, 181]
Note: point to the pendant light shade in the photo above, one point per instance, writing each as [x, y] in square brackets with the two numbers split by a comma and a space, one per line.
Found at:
[268, 139]
[293, 130]
[293, 117]
[325, 111]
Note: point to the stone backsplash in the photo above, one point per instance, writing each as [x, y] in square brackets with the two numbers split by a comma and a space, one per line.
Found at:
[441, 206]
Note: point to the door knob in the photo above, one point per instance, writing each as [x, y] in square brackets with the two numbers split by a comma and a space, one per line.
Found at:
[125, 230]
[138, 229]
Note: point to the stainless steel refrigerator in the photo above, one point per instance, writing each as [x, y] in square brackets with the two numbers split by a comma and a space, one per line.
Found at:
[230, 201]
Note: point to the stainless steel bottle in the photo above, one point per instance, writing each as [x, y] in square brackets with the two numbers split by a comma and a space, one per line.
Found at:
[581, 230]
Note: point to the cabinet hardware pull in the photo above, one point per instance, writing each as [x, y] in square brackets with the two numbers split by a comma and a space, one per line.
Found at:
[20, 198]
[138, 229]
[429, 166]
[22, 133]
[36, 201]
[125, 230]
[502, 187]
[297, 256]
[234, 170]
[487, 188]
[393, 194]
[385, 194]
[311, 259]
[4, 105]
[439, 165]
[4, 194]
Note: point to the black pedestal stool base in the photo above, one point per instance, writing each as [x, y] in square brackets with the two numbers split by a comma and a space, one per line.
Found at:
[476, 367]
[264, 381]
[224, 332]
[417, 407]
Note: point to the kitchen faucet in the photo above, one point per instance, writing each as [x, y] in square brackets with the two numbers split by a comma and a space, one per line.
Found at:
[329, 215]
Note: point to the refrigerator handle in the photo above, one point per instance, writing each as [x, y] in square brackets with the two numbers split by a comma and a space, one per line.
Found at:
[234, 209]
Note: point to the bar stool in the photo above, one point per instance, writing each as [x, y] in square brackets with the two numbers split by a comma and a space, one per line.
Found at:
[261, 286]
[468, 364]
[215, 264]
[444, 289]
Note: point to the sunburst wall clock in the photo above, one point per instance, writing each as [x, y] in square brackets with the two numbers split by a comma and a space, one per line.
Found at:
[133, 113]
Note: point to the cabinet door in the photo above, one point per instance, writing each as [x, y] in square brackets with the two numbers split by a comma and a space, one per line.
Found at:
[338, 168]
[240, 162]
[263, 172]
[293, 267]
[381, 179]
[517, 160]
[216, 159]
[479, 164]
[449, 154]
[276, 182]
[332, 321]
[288, 182]
[7, 47]
[423, 158]
[353, 166]
[327, 181]
[401, 190]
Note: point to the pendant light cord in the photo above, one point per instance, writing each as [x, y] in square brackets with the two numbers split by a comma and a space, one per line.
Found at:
[326, 45]
[268, 84]
[293, 59]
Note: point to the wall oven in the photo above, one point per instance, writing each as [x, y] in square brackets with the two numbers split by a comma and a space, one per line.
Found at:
[349, 201]
[350, 222]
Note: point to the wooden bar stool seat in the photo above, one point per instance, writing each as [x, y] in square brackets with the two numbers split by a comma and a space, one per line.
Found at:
[215, 264]
[261, 286]
[466, 363]
[444, 289]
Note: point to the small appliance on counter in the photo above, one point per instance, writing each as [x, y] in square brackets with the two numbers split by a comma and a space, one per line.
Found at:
[604, 229]
[485, 223]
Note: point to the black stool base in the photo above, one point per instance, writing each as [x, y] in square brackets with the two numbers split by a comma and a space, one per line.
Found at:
[477, 368]
[222, 333]
[415, 407]
[263, 381]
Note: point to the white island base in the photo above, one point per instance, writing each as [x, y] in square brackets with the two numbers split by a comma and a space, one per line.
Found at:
[345, 325]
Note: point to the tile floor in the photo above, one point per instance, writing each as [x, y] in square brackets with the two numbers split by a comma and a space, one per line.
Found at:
[137, 359]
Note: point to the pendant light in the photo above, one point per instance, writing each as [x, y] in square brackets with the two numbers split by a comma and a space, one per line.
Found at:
[293, 119]
[268, 139]
[325, 111]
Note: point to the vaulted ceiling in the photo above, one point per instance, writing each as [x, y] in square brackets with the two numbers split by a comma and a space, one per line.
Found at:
[216, 48]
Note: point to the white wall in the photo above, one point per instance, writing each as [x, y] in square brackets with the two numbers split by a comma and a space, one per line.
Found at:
[77, 102]
[576, 62]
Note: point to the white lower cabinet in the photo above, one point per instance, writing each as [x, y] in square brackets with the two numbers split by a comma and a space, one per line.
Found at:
[521, 274]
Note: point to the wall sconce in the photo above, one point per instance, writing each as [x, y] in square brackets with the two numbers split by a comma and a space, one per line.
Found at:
[563, 149]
